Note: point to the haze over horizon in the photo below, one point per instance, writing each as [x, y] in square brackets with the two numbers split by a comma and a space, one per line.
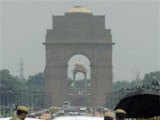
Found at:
[134, 26]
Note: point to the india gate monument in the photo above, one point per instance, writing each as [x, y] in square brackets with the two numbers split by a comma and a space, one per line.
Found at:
[78, 32]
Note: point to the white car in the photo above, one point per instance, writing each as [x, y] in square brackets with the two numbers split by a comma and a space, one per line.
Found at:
[78, 118]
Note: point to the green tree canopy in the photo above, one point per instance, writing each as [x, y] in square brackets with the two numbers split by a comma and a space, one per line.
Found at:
[36, 82]
[152, 79]
[10, 82]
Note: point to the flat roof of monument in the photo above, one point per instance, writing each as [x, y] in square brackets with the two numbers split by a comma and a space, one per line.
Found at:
[79, 9]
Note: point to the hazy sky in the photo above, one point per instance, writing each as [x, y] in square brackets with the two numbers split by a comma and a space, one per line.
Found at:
[135, 30]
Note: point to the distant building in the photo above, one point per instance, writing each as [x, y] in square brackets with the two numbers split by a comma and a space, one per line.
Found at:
[78, 31]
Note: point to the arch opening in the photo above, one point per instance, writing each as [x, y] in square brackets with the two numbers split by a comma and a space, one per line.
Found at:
[79, 76]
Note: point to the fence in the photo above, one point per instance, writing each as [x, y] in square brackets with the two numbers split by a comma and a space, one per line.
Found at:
[35, 100]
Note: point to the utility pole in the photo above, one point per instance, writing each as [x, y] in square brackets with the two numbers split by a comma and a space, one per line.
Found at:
[21, 69]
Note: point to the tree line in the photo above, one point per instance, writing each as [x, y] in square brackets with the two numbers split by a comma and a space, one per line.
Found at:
[15, 91]
[31, 91]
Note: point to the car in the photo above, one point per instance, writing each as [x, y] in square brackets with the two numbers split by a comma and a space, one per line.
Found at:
[78, 118]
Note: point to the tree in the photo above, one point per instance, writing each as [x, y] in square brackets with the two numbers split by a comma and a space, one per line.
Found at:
[120, 85]
[10, 82]
[36, 82]
[36, 89]
[10, 88]
[152, 79]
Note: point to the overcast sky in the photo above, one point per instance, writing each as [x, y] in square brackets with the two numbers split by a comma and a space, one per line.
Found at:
[135, 30]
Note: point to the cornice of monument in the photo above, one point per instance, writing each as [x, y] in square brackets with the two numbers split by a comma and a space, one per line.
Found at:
[78, 43]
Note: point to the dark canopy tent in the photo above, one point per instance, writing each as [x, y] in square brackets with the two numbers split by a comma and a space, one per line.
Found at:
[141, 105]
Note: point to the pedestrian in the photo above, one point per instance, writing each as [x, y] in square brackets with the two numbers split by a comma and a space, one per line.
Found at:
[120, 114]
[108, 116]
[21, 113]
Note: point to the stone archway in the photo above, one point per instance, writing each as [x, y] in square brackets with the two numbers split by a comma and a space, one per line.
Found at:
[79, 80]
[79, 32]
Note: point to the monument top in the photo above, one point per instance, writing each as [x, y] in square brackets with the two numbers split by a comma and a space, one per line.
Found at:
[79, 9]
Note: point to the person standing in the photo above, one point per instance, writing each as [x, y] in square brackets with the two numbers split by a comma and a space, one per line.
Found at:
[120, 114]
[21, 113]
[108, 116]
